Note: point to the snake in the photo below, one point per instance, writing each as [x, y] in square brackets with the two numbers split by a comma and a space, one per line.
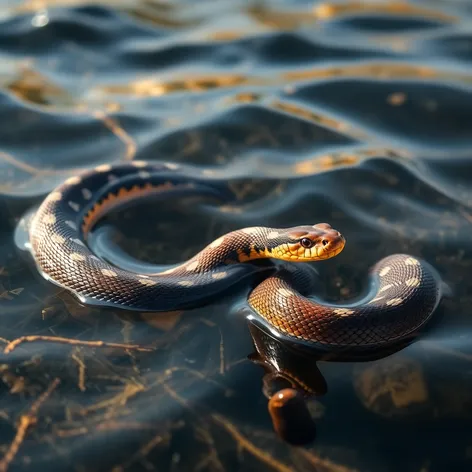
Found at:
[403, 293]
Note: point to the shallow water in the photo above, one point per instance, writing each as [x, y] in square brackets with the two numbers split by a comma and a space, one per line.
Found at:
[357, 114]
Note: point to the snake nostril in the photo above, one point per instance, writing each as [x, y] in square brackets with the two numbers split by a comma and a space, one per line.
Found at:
[324, 242]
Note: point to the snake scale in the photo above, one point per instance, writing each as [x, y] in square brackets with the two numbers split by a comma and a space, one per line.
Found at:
[404, 290]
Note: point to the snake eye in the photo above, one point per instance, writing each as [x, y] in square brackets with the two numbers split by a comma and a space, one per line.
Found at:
[306, 243]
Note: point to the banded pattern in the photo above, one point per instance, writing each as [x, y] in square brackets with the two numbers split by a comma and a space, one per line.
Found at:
[58, 237]
[404, 293]
[405, 290]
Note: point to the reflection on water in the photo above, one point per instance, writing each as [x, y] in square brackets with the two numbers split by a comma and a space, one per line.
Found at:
[352, 113]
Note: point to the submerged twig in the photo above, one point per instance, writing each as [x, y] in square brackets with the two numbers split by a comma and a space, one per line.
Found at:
[244, 443]
[143, 451]
[324, 464]
[222, 354]
[26, 421]
[119, 132]
[74, 342]
[81, 368]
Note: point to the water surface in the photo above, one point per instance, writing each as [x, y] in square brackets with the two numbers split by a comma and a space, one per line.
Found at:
[354, 113]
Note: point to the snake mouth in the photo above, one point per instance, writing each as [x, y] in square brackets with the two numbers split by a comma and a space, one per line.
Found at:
[333, 249]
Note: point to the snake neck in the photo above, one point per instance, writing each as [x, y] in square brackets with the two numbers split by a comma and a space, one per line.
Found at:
[253, 243]
[237, 246]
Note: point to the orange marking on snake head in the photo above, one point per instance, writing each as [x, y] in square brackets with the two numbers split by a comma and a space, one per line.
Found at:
[311, 243]
[301, 243]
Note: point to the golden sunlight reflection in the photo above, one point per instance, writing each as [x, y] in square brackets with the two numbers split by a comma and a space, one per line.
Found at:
[31, 86]
[245, 97]
[329, 10]
[334, 160]
[378, 70]
[229, 35]
[31, 6]
[273, 18]
[161, 13]
[156, 87]
[310, 115]
[157, 12]
[176, 15]
[269, 17]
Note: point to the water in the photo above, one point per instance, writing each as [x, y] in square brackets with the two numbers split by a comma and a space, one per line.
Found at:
[349, 113]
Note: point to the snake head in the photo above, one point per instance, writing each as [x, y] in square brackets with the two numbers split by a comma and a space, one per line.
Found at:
[310, 243]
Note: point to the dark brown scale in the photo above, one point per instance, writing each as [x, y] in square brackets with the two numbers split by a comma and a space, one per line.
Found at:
[60, 256]
[362, 325]
[55, 237]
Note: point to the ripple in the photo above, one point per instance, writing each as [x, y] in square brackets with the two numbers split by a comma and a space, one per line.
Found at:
[423, 119]
[363, 23]
[329, 10]
[82, 25]
[453, 46]
[34, 142]
[230, 132]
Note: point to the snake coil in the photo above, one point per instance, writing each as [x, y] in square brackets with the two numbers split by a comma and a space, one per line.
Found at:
[404, 290]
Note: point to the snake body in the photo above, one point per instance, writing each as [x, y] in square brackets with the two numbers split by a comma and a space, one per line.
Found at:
[404, 290]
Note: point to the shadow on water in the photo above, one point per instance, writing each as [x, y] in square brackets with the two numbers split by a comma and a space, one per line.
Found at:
[352, 113]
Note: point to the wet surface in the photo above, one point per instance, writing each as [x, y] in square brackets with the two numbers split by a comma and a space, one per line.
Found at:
[349, 113]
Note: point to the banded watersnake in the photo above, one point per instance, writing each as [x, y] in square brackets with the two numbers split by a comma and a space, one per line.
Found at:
[404, 290]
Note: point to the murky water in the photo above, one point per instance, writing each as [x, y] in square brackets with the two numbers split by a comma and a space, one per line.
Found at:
[354, 113]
